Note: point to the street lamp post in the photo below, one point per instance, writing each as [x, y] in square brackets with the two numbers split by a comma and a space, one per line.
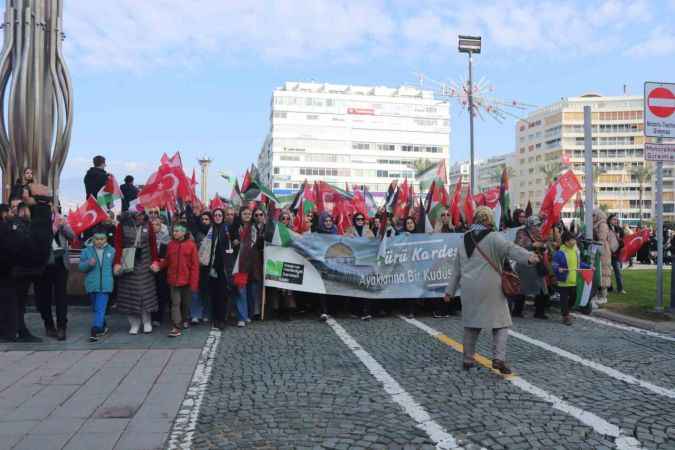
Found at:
[470, 45]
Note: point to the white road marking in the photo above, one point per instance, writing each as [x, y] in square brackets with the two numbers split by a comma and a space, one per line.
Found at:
[599, 425]
[596, 366]
[184, 426]
[436, 432]
[620, 326]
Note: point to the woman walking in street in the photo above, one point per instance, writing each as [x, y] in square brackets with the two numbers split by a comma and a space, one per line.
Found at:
[359, 229]
[476, 271]
[216, 253]
[137, 295]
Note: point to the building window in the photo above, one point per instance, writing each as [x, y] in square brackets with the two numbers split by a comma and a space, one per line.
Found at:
[312, 117]
[276, 171]
[360, 146]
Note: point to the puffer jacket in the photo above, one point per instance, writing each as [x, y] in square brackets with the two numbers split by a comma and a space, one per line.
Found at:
[99, 278]
[182, 264]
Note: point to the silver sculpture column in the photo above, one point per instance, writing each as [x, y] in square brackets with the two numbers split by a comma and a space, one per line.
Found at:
[36, 88]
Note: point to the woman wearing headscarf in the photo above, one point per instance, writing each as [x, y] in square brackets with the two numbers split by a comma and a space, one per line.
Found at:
[137, 294]
[325, 226]
[440, 308]
[360, 229]
[252, 237]
[601, 234]
[283, 300]
[476, 271]
[162, 239]
[409, 227]
[532, 278]
[217, 251]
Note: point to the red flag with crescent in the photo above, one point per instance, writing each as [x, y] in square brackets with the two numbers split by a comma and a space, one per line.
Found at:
[632, 243]
[88, 215]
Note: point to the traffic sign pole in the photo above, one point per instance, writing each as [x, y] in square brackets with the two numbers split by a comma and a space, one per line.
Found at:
[659, 236]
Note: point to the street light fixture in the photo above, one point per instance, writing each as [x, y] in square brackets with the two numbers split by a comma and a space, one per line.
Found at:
[470, 45]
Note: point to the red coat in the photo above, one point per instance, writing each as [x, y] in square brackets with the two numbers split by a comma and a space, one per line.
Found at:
[182, 264]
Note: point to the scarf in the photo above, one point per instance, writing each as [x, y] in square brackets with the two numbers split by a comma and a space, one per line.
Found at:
[475, 234]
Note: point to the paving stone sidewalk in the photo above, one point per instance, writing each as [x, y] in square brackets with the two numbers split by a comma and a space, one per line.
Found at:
[120, 393]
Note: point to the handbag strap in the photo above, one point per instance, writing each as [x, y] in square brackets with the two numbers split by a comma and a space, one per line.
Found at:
[489, 261]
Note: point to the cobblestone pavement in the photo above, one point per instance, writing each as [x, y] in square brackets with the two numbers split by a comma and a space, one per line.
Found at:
[348, 384]
[120, 393]
[298, 385]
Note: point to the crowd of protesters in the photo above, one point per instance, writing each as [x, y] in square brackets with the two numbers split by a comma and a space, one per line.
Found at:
[176, 270]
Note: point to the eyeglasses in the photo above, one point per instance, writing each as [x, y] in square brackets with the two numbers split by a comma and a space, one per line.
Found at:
[444, 215]
[259, 214]
[218, 215]
[285, 219]
[359, 219]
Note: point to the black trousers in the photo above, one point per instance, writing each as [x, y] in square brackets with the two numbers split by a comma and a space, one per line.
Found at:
[22, 285]
[162, 297]
[568, 296]
[218, 296]
[540, 304]
[50, 290]
[9, 310]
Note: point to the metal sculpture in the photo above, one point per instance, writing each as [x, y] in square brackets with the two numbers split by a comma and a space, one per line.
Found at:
[36, 93]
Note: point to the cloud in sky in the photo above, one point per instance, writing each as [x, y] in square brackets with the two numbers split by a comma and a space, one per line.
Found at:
[136, 36]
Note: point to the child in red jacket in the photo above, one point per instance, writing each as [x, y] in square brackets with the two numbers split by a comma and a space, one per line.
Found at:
[182, 276]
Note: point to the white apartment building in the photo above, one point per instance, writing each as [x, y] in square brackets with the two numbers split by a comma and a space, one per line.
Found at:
[488, 171]
[351, 135]
[552, 138]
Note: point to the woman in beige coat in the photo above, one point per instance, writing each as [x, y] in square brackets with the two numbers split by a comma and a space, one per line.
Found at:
[601, 234]
[483, 302]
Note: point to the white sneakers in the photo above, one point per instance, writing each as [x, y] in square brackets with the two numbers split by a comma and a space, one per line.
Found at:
[135, 323]
[241, 324]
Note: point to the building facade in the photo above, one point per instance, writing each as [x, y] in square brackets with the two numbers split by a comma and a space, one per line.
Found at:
[551, 140]
[351, 135]
[488, 171]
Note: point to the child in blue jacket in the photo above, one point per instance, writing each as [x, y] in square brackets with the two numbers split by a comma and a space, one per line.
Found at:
[96, 261]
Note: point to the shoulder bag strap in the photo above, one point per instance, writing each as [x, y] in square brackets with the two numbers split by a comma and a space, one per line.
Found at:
[493, 265]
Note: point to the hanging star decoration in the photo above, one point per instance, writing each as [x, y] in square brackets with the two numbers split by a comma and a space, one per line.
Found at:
[485, 104]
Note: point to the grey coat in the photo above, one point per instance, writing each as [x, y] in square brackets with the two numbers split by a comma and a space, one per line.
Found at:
[483, 303]
[137, 293]
[531, 282]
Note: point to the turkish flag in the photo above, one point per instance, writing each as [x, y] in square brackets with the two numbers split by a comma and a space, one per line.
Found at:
[89, 214]
[402, 206]
[166, 185]
[216, 203]
[491, 197]
[558, 194]
[469, 207]
[454, 205]
[632, 243]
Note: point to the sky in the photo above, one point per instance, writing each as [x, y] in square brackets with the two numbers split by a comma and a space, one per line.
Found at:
[156, 76]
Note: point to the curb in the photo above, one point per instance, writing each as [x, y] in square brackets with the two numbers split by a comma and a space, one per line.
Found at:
[667, 327]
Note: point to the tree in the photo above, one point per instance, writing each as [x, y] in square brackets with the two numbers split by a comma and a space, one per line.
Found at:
[420, 165]
[551, 171]
[642, 175]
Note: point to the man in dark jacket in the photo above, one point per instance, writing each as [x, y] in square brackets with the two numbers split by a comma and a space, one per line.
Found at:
[129, 192]
[24, 246]
[96, 177]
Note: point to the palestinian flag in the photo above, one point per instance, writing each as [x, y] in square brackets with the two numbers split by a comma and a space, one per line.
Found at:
[235, 195]
[283, 236]
[505, 198]
[584, 285]
[434, 202]
[371, 206]
[109, 193]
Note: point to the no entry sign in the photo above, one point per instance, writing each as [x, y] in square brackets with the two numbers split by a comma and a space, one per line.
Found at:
[659, 114]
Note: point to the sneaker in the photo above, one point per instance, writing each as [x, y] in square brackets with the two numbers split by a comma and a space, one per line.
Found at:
[623, 292]
[186, 325]
[410, 316]
[93, 337]
[51, 332]
[147, 328]
[567, 320]
[103, 332]
[175, 332]
[323, 317]
[195, 321]
[367, 317]
[437, 315]
[248, 320]
[206, 320]
[156, 323]
[241, 324]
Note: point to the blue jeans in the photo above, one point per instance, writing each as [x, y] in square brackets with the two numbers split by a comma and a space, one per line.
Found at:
[99, 301]
[616, 265]
[197, 307]
[248, 301]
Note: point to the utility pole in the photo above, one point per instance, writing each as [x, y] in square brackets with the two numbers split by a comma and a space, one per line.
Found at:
[470, 45]
[588, 171]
